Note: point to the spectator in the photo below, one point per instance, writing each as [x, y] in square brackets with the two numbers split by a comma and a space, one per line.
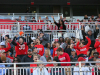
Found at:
[96, 70]
[40, 47]
[86, 17]
[46, 55]
[40, 71]
[57, 71]
[44, 38]
[35, 58]
[12, 46]
[91, 35]
[40, 19]
[85, 70]
[63, 57]
[19, 18]
[1, 38]
[14, 29]
[61, 40]
[9, 56]
[94, 57]
[6, 37]
[28, 58]
[25, 19]
[35, 52]
[61, 18]
[68, 50]
[8, 60]
[92, 17]
[84, 48]
[48, 46]
[73, 56]
[65, 44]
[97, 45]
[49, 59]
[33, 20]
[60, 25]
[54, 50]
[53, 44]
[18, 71]
[21, 47]
[2, 49]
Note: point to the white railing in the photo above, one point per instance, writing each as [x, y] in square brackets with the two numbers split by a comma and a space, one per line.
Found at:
[71, 29]
[29, 15]
[77, 69]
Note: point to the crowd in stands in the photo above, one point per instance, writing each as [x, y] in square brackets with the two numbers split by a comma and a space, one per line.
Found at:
[40, 49]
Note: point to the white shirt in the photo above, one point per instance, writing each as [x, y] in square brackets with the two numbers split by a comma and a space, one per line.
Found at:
[85, 71]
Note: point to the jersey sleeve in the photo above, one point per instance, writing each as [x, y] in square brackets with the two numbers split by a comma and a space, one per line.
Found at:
[6, 49]
[96, 44]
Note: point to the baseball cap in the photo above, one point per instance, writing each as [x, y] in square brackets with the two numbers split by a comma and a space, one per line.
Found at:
[81, 59]
[90, 30]
[2, 43]
[30, 50]
[33, 38]
[20, 33]
[73, 50]
[96, 53]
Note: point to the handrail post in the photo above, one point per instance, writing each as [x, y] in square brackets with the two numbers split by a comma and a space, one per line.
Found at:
[14, 68]
[36, 16]
[80, 70]
[18, 27]
[62, 15]
[13, 17]
[79, 25]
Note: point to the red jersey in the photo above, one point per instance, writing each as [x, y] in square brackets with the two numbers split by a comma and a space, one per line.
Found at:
[54, 52]
[64, 58]
[84, 49]
[21, 49]
[11, 58]
[5, 49]
[32, 69]
[97, 46]
[40, 49]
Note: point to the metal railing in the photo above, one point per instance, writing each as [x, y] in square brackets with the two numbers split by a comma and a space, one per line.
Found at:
[72, 29]
[29, 16]
[20, 69]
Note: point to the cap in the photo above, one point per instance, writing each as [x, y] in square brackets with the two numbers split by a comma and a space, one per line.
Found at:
[34, 48]
[30, 50]
[95, 53]
[89, 29]
[2, 43]
[73, 50]
[33, 38]
[81, 59]
[20, 33]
